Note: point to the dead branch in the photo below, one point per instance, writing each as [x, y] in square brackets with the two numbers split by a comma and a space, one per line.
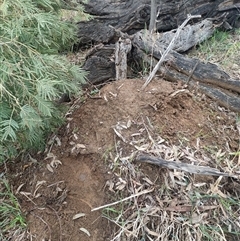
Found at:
[201, 170]
[169, 48]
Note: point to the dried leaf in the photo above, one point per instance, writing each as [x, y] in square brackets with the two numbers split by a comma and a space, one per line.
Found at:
[78, 215]
[198, 218]
[19, 188]
[55, 163]
[151, 232]
[49, 155]
[58, 189]
[199, 184]
[129, 123]
[121, 184]
[80, 146]
[136, 134]
[180, 208]
[114, 95]
[59, 143]
[26, 193]
[205, 208]
[85, 231]
[120, 187]
[82, 149]
[110, 184]
[49, 168]
[215, 190]
[142, 148]
[32, 159]
[148, 180]
[105, 98]
[39, 183]
[75, 136]
[37, 195]
[181, 183]
[119, 135]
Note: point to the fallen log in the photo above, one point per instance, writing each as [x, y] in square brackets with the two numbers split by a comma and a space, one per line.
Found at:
[207, 77]
[126, 20]
[130, 16]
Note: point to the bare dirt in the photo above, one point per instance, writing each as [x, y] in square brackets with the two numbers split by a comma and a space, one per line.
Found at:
[70, 178]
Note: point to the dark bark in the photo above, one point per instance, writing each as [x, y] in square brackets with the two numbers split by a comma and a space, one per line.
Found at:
[130, 16]
[100, 64]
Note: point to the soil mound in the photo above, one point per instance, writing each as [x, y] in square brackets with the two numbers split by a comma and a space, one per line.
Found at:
[58, 189]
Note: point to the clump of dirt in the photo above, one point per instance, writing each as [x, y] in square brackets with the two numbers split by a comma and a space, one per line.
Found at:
[58, 189]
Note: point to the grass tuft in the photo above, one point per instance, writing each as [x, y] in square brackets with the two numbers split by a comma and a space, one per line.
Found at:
[12, 221]
[223, 49]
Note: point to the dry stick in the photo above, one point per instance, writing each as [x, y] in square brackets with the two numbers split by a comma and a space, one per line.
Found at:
[59, 221]
[169, 48]
[192, 72]
[49, 229]
[125, 199]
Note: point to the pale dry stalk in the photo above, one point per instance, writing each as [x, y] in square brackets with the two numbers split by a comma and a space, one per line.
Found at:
[169, 48]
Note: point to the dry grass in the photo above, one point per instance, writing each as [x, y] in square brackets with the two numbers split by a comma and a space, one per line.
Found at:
[165, 204]
[223, 49]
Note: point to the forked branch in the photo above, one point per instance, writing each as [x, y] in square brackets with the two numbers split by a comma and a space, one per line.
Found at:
[169, 48]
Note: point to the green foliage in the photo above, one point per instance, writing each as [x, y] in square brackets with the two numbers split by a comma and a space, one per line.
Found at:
[32, 72]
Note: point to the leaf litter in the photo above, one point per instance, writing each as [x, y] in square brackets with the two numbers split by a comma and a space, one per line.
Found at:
[174, 206]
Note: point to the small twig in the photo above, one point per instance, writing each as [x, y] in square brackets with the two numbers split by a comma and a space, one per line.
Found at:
[169, 48]
[59, 221]
[191, 74]
[122, 200]
[49, 229]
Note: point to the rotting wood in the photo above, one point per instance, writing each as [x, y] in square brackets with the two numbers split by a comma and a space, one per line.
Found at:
[123, 47]
[100, 64]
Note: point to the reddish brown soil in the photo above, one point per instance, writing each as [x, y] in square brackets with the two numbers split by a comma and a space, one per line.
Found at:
[51, 198]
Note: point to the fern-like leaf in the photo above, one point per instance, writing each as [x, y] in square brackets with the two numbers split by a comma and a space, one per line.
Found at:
[45, 107]
[30, 118]
[8, 129]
